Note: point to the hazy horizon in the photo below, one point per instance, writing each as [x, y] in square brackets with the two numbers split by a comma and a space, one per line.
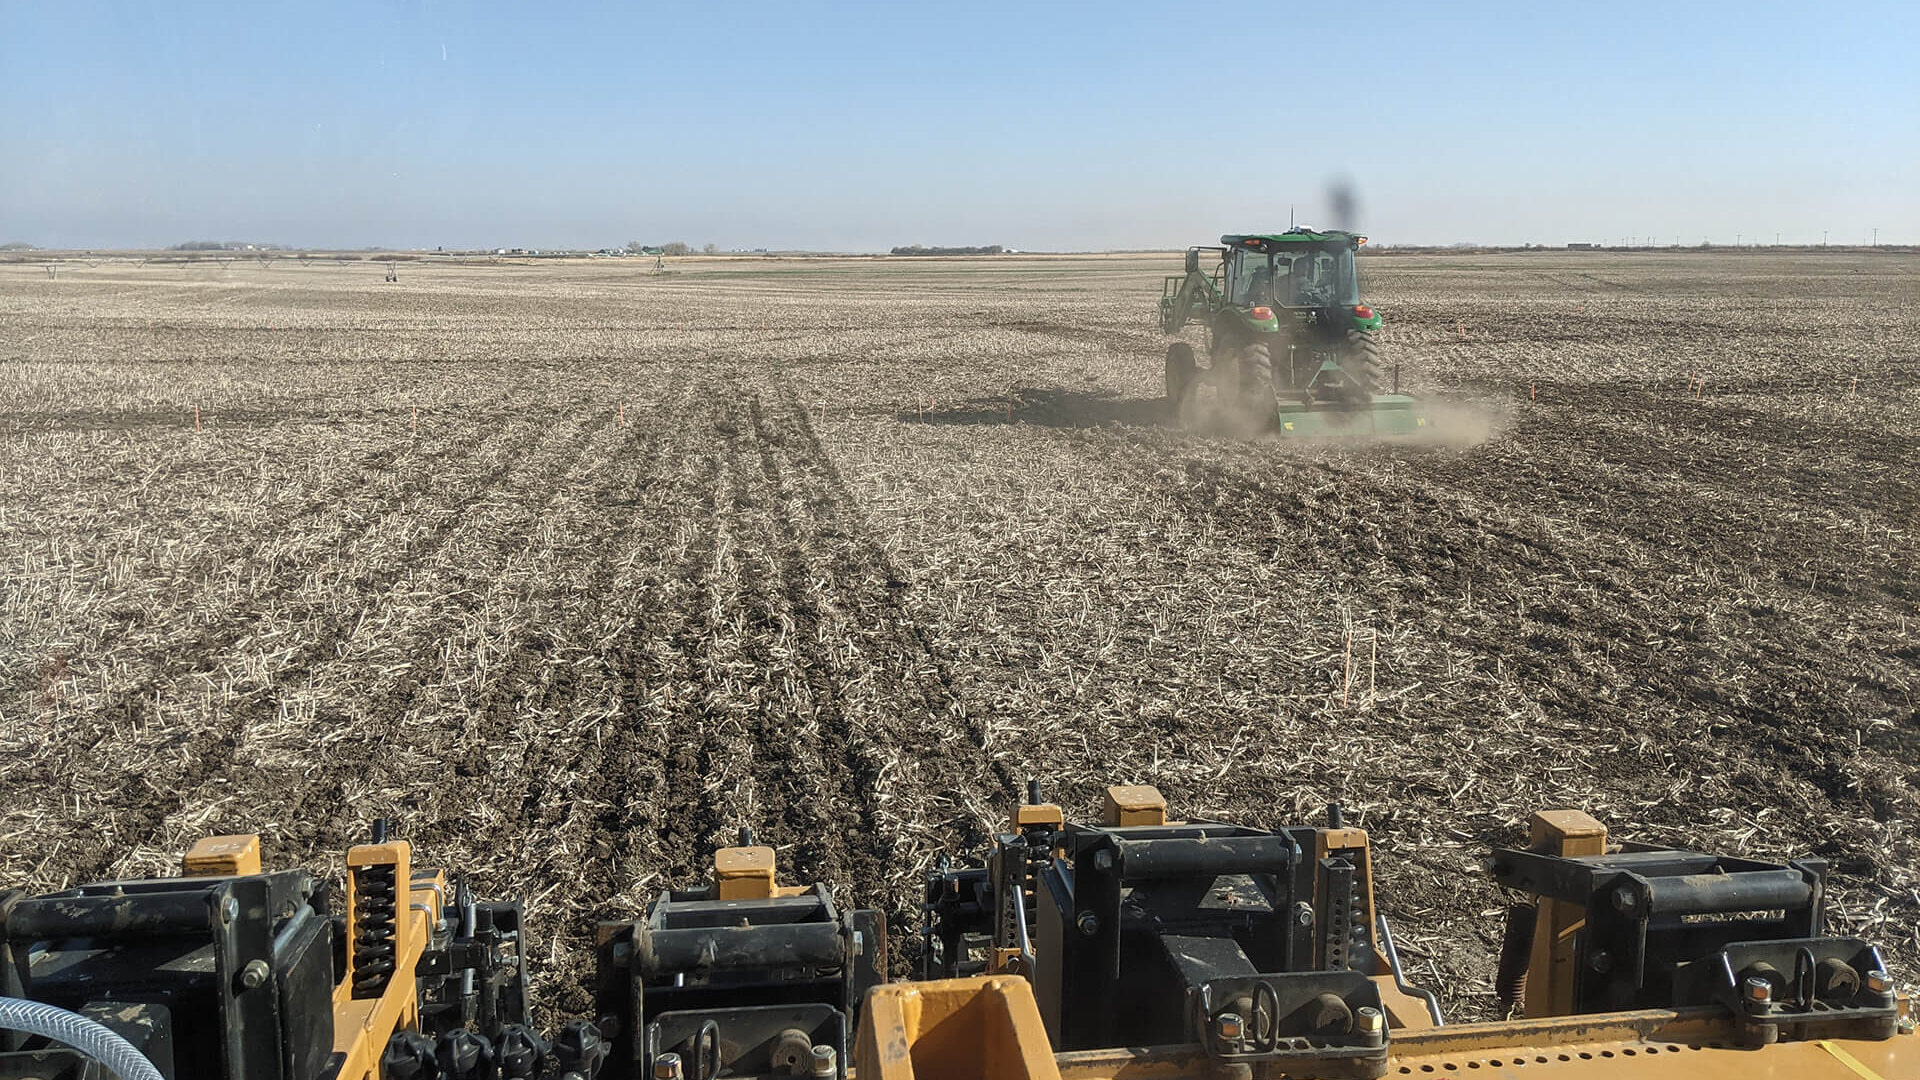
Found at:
[861, 127]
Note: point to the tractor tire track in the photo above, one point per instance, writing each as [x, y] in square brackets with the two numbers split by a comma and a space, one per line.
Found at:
[867, 577]
[905, 763]
[829, 816]
[665, 745]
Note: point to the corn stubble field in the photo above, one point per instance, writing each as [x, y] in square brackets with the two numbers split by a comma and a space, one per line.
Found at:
[845, 550]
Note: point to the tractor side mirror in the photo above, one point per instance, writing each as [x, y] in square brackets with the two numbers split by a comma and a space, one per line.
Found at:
[1193, 260]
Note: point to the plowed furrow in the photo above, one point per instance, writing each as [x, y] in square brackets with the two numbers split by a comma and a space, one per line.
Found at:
[318, 631]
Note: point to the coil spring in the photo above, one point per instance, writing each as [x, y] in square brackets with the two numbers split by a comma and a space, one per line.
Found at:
[1516, 953]
[373, 942]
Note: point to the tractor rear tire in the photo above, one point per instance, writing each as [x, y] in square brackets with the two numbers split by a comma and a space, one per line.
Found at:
[1255, 389]
[1363, 361]
[1181, 371]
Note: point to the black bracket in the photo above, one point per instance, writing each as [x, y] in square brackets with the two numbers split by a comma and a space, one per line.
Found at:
[1312, 1023]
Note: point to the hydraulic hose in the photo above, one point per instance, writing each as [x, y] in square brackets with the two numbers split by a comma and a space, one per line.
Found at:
[90, 1037]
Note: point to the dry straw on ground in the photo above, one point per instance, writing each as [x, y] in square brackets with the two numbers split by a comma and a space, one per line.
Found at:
[843, 551]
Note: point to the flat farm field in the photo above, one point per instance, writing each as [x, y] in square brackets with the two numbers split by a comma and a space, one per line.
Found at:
[572, 570]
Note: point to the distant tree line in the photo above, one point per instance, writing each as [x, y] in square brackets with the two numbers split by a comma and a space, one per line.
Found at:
[228, 245]
[674, 248]
[18, 245]
[916, 249]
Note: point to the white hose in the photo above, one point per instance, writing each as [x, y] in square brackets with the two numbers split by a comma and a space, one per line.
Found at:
[90, 1037]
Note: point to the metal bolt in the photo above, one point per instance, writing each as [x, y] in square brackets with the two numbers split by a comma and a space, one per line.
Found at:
[1624, 900]
[1103, 859]
[1878, 983]
[1368, 1020]
[1303, 913]
[1757, 989]
[859, 943]
[1228, 1028]
[825, 1061]
[1088, 922]
[1601, 962]
[666, 1067]
[622, 950]
[230, 909]
[254, 974]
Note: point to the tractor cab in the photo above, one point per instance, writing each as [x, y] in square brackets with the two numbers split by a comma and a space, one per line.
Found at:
[1295, 269]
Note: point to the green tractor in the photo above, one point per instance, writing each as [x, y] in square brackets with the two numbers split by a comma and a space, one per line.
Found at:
[1289, 343]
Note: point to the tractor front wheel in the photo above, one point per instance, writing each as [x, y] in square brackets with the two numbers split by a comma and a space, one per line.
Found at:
[1180, 373]
[1363, 361]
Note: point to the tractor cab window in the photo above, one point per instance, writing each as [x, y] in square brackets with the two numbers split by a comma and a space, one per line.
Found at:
[1323, 278]
[1307, 278]
[1259, 279]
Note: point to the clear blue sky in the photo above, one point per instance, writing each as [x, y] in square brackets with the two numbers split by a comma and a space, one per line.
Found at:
[1035, 125]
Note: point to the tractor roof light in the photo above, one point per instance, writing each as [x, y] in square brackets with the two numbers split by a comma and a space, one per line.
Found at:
[1262, 313]
[1362, 311]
